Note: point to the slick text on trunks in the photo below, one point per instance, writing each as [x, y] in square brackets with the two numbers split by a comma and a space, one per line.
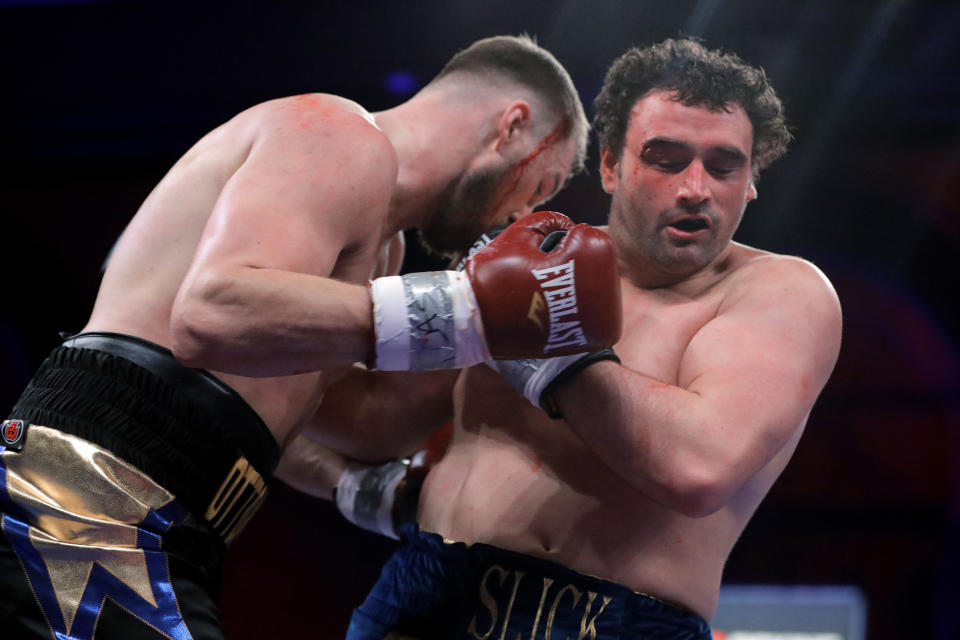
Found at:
[502, 590]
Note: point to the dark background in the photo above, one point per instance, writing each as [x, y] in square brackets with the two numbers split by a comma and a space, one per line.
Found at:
[99, 99]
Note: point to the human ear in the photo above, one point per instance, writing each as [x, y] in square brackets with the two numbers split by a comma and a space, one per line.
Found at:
[751, 192]
[609, 171]
[515, 116]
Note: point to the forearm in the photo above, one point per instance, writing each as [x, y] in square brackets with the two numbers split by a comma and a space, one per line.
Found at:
[375, 415]
[380, 498]
[311, 468]
[269, 322]
[663, 439]
[265, 322]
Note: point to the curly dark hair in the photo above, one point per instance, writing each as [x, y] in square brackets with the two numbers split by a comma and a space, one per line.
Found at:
[700, 77]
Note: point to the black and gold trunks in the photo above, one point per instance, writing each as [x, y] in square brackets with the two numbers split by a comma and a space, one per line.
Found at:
[187, 430]
[123, 475]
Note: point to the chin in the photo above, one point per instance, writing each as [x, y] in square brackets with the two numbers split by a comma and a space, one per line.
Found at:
[448, 245]
[683, 261]
[451, 236]
[431, 248]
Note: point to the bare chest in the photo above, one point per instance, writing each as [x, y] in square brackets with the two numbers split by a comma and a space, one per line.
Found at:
[658, 327]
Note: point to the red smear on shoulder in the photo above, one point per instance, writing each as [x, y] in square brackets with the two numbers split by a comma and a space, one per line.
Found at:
[537, 463]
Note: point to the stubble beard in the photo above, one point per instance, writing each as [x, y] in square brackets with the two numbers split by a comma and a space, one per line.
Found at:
[664, 260]
[462, 214]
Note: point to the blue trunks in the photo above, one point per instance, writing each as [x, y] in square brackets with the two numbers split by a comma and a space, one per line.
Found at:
[432, 589]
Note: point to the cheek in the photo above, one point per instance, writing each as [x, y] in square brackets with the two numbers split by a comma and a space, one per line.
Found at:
[732, 200]
[509, 197]
[647, 187]
[635, 176]
[515, 180]
[520, 185]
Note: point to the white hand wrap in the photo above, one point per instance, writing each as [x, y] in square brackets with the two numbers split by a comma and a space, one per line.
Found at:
[426, 321]
[365, 495]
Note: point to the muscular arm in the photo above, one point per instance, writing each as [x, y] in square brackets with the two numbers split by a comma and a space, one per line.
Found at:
[262, 296]
[372, 416]
[367, 416]
[746, 383]
[310, 467]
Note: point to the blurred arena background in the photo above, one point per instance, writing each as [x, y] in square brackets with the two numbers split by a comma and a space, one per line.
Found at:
[100, 98]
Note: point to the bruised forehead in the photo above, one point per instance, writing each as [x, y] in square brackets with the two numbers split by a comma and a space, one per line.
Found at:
[658, 115]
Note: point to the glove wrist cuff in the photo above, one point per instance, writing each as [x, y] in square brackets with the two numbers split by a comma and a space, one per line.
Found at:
[365, 495]
[538, 379]
[426, 321]
[546, 400]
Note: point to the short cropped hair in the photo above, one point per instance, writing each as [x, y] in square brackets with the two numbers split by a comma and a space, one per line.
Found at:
[699, 77]
[521, 60]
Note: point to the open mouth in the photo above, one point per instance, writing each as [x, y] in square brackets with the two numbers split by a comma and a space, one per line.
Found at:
[690, 225]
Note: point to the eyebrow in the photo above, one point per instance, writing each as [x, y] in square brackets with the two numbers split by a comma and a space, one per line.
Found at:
[673, 142]
[662, 140]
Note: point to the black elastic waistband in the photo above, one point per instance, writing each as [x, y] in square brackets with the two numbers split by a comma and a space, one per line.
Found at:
[252, 436]
[183, 427]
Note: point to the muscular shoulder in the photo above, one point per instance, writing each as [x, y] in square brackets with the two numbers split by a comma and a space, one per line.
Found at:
[339, 131]
[777, 322]
[762, 274]
[786, 291]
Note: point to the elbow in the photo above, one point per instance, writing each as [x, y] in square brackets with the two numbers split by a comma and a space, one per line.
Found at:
[189, 346]
[196, 335]
[699, 492]
[190, 341]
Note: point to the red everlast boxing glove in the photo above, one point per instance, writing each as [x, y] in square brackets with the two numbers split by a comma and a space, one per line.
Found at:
[547, 287]
[544, 287]
[538, 379]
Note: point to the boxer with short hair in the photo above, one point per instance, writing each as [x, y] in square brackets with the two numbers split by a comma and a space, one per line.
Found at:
[589, 497]
[240, 290]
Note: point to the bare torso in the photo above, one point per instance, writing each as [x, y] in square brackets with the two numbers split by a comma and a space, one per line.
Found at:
[151, 259]
[519, 480]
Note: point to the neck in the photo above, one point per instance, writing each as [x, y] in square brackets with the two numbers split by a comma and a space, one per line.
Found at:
[434, 139]
[644, 274]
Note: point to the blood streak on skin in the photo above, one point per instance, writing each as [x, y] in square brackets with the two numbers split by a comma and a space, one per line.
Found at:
[537, 463]
[307, 99]
[310, 108]
[518, 169]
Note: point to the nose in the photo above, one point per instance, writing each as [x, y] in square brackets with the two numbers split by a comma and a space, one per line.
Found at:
[692, 189]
